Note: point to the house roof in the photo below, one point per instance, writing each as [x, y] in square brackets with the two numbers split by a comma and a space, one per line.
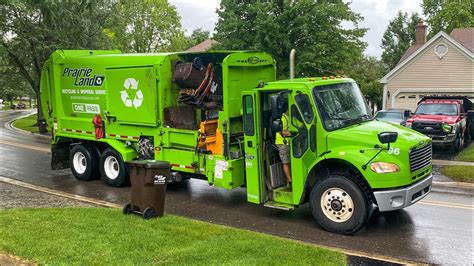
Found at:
[464, 36]
[463, 46]
[409, 51]
[203, 46]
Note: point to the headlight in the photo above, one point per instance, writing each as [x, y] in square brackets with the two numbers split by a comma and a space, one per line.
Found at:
[408, 124]
[383, 168]
[447, 128]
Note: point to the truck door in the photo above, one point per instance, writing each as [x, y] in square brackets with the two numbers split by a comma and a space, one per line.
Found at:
[303, 142]
[253, 147]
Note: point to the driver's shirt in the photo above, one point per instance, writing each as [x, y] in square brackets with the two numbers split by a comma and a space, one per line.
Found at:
[279, 139]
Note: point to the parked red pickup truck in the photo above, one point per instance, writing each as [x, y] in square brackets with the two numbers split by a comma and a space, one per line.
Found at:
[448, 120]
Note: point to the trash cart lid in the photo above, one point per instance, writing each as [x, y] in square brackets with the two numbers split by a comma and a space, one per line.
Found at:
[150, 164]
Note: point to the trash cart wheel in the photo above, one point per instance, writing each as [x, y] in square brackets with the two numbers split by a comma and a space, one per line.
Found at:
[127, 209]
[149, 213]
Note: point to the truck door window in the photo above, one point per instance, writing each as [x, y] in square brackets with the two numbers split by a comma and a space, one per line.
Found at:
[300, 142]
[305, 106]
[249, 129]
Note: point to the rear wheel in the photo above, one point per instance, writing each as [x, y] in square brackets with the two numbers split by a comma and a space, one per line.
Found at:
[149, 213]
[339, 205]
[112, 168]
[83, 162]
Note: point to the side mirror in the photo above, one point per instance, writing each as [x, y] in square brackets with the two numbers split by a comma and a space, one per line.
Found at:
[274, 104]
[387, 137]
[277, 126]
[407, 113]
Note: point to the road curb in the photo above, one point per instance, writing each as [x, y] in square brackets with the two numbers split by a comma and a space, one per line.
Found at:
[451, 163]
[453, 187]
[10, 126]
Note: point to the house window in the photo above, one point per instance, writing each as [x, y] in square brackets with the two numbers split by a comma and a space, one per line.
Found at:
[441, 50]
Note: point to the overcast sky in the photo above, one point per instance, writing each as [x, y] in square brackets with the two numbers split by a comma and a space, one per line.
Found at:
[376, 13]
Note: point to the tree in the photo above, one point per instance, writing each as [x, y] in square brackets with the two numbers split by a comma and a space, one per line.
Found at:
[198, 36]
[398, 37]
[313, 28]
[144, 26]
[445, 15]
[32, 30]
[367, 73]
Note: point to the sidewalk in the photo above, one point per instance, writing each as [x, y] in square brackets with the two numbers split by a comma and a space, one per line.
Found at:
[442, 183]
[13, 196]
[452, 162]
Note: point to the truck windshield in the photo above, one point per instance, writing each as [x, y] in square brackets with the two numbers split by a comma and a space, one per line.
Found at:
[437, 109]
[341, 105]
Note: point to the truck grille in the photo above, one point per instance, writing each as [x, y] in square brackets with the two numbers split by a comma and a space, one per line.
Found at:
[420, 157]
[426, 127]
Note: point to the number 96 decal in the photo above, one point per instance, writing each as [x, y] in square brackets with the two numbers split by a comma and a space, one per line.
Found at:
[394, 151]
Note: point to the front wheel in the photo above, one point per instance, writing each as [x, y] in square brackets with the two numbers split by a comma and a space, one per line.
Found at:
[339, 205]
[458, 143]
[113, 169]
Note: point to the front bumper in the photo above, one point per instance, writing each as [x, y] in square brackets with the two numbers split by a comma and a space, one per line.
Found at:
[443, 140]
[390, 200]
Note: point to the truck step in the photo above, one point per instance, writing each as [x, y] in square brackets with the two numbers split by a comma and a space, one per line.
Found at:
[279, 206]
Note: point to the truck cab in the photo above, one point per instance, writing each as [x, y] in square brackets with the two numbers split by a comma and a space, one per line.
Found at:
[444, 119]
[342, 160]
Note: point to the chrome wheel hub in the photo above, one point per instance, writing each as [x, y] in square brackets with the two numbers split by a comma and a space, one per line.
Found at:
[337, 205]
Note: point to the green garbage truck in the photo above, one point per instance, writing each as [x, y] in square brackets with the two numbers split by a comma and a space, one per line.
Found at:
[215, 116]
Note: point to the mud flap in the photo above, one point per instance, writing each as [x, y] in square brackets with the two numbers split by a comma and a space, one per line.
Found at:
[60, 156]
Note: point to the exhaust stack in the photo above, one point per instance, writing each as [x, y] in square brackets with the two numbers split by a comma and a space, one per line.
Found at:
[292, 63]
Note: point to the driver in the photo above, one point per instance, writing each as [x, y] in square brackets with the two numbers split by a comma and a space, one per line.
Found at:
[282, 143]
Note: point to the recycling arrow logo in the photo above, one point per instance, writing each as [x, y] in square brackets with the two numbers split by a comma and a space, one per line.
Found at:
[131, 84]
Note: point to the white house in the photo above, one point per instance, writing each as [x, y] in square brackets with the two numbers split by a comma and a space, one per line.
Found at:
[441, 66]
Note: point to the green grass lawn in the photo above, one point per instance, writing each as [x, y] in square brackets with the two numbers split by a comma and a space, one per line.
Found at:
[459, 173]
[100, 236]
[467, 154]
[27, 123]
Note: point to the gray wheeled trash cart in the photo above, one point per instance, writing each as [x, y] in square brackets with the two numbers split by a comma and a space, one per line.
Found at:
[148, 178]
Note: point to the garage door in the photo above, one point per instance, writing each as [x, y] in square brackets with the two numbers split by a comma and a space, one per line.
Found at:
[407, 100]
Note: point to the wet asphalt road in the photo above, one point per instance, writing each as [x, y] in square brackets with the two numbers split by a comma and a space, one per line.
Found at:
[437, 230]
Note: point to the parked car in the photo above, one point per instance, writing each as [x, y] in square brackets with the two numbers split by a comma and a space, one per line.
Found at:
[18, 106]
[447, 120]
[397, 116]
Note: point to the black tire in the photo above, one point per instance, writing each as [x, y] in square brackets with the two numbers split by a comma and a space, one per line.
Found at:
[83, 162]
[467, 138]
[113, 169]
[351, 219]
[127, 209]
[458, 144]
[149, 213]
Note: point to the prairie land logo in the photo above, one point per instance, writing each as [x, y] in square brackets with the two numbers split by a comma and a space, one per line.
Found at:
[83, 77]
[131, 85]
